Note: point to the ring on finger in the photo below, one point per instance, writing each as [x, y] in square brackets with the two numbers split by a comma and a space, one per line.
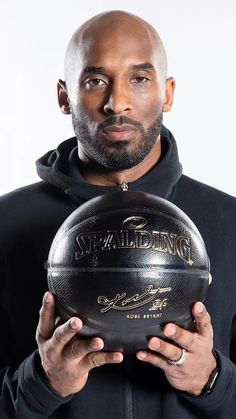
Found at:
[181, 359]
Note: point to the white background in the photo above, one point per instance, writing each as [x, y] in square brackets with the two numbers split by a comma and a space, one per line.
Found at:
[199, 37]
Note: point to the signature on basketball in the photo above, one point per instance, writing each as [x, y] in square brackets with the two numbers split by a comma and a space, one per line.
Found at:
[121, 302]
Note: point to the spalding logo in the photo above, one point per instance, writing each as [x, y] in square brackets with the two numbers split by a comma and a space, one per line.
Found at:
[132, 236]
[134, 222]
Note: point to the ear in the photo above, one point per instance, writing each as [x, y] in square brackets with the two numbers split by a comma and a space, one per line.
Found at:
[170, 89]
[63, 98]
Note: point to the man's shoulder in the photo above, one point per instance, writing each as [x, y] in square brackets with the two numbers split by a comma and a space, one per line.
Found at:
[198, 197]
[25, 199]
[34, 194]
[33, 205]
[205, 190]
[20, 192]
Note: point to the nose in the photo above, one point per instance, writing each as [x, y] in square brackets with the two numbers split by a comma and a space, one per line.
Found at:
[118, 101]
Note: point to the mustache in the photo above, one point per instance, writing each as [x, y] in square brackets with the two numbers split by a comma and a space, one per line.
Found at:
[120, 120]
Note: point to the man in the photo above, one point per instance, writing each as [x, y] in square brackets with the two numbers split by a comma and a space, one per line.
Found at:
[116, 89]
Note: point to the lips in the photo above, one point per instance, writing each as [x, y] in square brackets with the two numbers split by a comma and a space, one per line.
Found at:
[120, 132]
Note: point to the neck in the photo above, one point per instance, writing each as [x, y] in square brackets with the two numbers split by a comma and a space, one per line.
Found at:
[97, 175]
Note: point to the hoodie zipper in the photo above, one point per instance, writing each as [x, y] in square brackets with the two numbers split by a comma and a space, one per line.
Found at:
[124, 187]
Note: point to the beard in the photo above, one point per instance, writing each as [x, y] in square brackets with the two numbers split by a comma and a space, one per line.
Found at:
[117, 155]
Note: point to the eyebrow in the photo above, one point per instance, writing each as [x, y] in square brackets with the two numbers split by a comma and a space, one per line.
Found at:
[143, 66]
[93, 69]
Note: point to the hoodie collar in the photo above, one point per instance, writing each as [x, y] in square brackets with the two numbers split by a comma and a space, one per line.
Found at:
[56, 167]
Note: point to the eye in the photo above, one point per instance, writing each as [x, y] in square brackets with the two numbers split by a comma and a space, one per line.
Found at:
[140, 79]
[95, 82]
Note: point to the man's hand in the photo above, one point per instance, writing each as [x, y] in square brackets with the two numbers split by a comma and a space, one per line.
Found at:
[65, 359]
[193, 374]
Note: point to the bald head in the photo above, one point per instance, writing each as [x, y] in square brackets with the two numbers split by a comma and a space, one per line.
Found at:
[114, 28]
[115, 75]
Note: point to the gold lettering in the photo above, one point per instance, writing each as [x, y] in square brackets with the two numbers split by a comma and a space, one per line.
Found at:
[152, 316]
[156, 240]
[89, 242]
[133, 316]
[112, 240]
[125, 240]
[169, 243]
[184, 249]
[123, 303]
[143, 240]
[159, 241]
[159, 304]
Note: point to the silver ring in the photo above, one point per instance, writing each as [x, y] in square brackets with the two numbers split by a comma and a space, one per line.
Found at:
[179, 361]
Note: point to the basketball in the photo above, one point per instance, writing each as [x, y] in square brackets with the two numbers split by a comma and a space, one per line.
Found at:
[127, 263]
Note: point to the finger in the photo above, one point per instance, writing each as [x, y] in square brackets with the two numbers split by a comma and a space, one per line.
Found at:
[166, 349]
[182, 337]
[187, 339]
[80, 348]
[90, 352]
[96, 359]
[63, 334]
[163, 351]
[202, 320]
[46, 318]
[154, 359]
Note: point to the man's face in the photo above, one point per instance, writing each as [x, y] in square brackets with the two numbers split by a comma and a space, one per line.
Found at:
[117, 102]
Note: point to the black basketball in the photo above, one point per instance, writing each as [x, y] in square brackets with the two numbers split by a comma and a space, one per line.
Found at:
[127, 263]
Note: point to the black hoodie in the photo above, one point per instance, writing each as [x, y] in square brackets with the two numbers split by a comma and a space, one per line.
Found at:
[29, 219]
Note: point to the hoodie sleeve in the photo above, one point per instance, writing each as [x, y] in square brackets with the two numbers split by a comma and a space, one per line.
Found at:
[26, 394]
[221, 402]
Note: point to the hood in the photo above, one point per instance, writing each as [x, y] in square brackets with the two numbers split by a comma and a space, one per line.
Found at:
[56, 168]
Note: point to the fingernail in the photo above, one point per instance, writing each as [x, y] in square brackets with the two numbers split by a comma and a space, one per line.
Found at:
[141, 355]
[47, 297]
[200, 308]
[117, 358]
[96, 344]
[170, 330]
[154, 344]
[74, 323]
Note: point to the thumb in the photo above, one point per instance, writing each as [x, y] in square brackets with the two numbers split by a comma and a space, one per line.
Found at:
[47, 317]
[202, 320]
